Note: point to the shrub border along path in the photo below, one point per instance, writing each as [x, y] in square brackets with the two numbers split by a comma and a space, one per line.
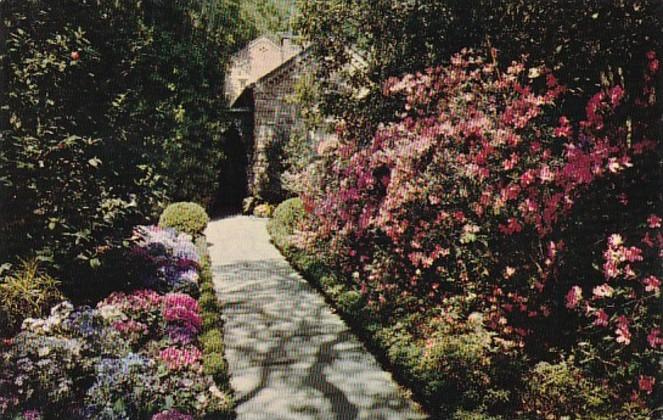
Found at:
[392, 351]
[211, 339]
[289, 355]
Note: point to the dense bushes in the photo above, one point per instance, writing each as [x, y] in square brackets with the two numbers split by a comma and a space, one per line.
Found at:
[586, 42]
[214, 363]
[483, 197]
[73, 174]
[185, 217]
[107, 109]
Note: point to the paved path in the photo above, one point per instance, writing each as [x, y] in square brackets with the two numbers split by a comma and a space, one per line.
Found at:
[290, 357]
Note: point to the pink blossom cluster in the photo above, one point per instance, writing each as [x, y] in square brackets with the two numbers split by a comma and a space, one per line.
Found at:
[625, 308]
[138, 301]
[130, 327]
[473, 188]
[171, 415]
[183, 310]
[177, 358]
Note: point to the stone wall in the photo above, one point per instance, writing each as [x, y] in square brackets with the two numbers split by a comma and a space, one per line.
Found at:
[275, 118]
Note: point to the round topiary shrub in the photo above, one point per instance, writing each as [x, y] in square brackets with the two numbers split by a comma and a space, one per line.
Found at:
[185, 217]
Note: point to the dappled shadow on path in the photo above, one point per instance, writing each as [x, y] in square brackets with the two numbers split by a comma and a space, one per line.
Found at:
[290, 357]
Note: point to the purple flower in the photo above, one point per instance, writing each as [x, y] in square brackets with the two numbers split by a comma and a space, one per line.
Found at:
[171, 415]
[32, 415]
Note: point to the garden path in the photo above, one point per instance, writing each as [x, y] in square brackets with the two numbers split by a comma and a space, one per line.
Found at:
[290, 356]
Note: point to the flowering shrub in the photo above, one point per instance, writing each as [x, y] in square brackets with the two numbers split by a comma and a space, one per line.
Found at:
[482, 197]
[136, 354]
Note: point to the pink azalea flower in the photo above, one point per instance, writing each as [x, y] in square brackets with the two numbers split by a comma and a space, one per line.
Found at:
[603, 290]
[512, 227]
[622, 331]
[616, 95]
[652, 284]
[573, 297]
[654, 221]
[564, 129]
[646, 383]
[601, 318]
[654, 338]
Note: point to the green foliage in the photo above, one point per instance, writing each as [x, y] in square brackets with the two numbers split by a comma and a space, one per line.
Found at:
[108, 108]
[215, 366]
[185, 217]
[350, 301]
[271, 16]
[208, 302]
[212, 341]
[28, 292]
[221, 408]
[211, 320]
[74, 175]
[463, 367]
[559, 390]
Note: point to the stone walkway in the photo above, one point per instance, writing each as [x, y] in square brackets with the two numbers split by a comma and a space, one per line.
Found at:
[290, 357]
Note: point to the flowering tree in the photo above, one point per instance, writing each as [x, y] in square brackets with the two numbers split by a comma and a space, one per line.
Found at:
[482, 194]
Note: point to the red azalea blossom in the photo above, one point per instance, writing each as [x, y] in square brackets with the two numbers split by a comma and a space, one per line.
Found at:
[646, 383]
[652, 284]
[653, 221]
[601, 318]
[654, 338]
[573, 297]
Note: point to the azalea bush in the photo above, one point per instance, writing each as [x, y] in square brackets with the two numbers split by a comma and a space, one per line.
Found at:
[483, 197]
[136, 354]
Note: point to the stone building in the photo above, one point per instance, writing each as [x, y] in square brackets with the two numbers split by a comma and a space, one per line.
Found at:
[259, 83]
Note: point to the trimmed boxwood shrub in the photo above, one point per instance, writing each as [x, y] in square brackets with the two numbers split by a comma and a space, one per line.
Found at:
[215, 366]
[212, 341]
[185, 217]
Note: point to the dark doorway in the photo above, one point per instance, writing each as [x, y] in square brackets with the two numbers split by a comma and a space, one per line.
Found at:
[232, 179]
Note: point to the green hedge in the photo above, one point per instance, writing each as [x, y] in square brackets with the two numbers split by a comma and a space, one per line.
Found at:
[211, 340]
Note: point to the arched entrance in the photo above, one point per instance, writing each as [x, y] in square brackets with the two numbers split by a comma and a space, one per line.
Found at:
[233, 176]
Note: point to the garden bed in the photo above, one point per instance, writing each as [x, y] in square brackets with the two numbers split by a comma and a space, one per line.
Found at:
[153, 352]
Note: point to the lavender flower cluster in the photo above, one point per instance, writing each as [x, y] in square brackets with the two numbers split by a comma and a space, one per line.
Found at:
[174, 255]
